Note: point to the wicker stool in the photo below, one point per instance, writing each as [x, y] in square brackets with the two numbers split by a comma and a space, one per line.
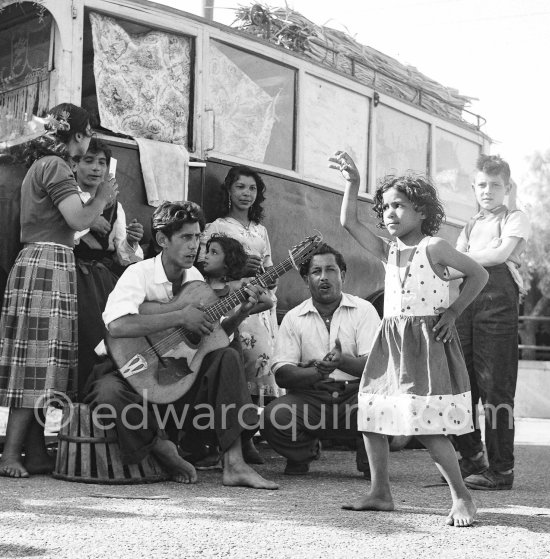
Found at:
[90, 454]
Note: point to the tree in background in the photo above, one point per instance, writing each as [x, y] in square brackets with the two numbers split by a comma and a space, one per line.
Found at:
[535, 198]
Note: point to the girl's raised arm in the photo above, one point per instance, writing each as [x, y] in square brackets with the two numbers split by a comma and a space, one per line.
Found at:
[348, 214]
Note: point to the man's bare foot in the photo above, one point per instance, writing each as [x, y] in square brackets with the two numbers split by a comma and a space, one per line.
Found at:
[463, 513]
[371, 501]
[12, 467]
[179, 469]
[242, 475]
[43, 464]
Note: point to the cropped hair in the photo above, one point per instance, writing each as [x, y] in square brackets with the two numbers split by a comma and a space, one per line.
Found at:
[421, 192]
[323, 249]
[256, 211]
[63, 122]
[97, 146]
[493, 165]
[235, 256]
[169, 217]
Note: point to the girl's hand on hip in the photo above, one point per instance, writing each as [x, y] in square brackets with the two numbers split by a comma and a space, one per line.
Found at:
[445, 326]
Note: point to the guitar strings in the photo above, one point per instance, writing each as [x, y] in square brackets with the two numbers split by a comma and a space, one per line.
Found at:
[223, 305]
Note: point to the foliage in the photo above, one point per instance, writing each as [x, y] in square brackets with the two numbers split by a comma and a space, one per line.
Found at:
[535, 197]
[38, 5]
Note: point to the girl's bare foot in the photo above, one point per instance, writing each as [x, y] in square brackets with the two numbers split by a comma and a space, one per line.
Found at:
[371, 501]
[11, 466]
[463, 513]
[179, 469]
[242, 475]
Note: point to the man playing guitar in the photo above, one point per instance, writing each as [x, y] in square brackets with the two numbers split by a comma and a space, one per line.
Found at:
[142, 304]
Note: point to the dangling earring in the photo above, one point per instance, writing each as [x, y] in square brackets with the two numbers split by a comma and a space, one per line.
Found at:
[229, 203]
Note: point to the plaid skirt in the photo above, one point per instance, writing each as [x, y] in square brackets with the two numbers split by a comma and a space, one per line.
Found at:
[38, 327]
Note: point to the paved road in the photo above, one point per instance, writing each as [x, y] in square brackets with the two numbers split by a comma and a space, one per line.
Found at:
[43, 517]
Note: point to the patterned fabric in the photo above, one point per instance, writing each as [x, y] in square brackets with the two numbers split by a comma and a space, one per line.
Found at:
[421, 293]
[142, 80]
[245, 113]
[38, 327]
[258, 331]
[412, 383]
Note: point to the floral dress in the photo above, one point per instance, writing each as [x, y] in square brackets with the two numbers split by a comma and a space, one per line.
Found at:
[257, 332]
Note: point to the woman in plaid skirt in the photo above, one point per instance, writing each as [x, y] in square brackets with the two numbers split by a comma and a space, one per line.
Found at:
[38, 325]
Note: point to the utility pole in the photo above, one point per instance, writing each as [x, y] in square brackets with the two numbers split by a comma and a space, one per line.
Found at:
[208, 9]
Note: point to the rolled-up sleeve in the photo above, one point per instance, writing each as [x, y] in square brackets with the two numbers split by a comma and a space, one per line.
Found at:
[58, 180]
[127, 296]
[287, 346]
[516, 225]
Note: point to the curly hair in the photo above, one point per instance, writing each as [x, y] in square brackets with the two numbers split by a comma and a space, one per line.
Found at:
[65, 120]
[493, 165]
[323, 249]
[421, 192]
[234, 253]
[255, 212]
[169, 217]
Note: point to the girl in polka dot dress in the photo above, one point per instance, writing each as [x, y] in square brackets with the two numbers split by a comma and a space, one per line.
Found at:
[415, 381]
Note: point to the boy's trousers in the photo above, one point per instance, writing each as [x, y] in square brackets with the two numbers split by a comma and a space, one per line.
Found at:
[488, 331]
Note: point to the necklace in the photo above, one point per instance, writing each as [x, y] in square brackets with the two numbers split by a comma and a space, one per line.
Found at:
[246, 226]
[327, 319]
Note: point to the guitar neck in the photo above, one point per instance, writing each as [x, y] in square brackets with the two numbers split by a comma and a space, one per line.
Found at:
[223, 306]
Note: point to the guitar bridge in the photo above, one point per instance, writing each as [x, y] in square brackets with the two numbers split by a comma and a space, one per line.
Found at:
[136, 365]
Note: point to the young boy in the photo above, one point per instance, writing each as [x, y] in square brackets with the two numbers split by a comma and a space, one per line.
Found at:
[101, 253]
[495, 238]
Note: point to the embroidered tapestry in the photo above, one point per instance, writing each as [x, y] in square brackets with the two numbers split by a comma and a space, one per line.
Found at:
[142, 81]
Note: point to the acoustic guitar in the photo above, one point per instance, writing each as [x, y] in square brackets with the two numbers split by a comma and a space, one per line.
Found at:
[163, 366]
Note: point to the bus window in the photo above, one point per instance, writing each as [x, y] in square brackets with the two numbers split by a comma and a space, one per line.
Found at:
[401, 143]
[455, 162]
[253, 103]
[334, 118]
[138, 79]
[24, 69]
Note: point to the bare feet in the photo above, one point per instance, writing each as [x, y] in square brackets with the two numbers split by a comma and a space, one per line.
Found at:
[241, 474]
[179, 469]
[463, 513]
[12, 467]
[371, 501]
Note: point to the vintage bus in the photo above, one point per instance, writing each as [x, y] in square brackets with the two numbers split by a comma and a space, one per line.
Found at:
[231, 97]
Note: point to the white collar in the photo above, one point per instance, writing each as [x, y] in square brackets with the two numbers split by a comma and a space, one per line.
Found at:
[346, 301]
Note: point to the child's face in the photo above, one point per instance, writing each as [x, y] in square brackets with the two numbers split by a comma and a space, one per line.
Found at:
[214, 261]
[400, 216]
[490, 190]
[91, 169]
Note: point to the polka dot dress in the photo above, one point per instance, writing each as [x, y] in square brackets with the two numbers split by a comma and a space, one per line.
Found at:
[413, 384]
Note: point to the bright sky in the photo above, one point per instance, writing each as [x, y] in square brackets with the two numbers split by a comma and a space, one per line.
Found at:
[497, 51]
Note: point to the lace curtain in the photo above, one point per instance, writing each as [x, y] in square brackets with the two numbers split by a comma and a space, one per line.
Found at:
[142, 81]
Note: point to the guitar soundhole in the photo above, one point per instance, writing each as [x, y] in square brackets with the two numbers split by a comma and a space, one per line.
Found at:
[193, 338]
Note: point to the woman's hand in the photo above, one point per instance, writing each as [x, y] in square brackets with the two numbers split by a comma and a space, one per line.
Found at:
[101, 225]
[253, 265]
